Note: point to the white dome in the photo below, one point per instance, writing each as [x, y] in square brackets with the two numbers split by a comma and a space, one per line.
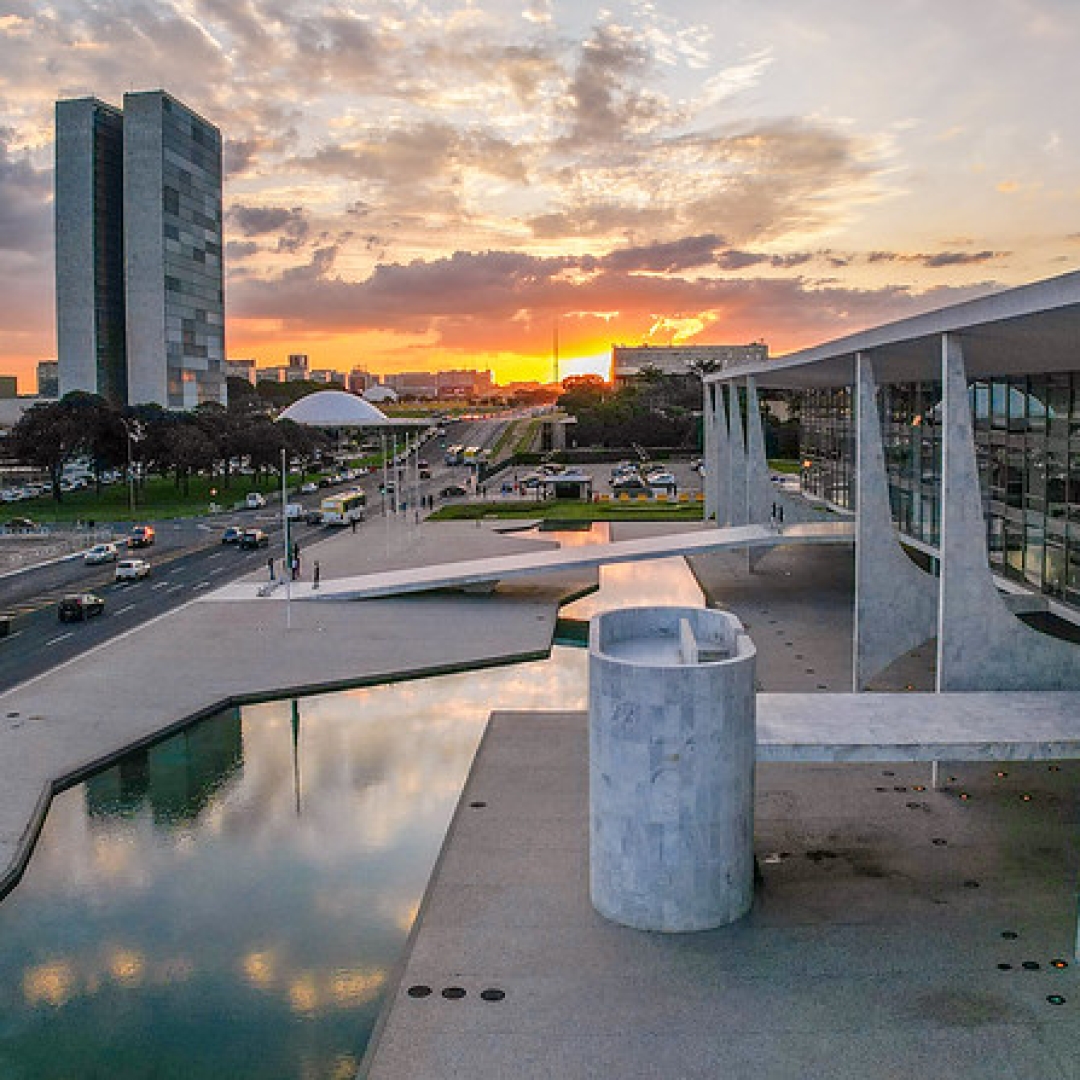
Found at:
[335, 408]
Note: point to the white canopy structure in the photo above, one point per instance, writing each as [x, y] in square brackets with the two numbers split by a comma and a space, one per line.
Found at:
[335, 408]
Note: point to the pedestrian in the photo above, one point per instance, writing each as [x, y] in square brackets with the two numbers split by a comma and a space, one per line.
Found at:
[315, 575]
[270, 566]
[780, 513]
[352, 524]
[295, 567]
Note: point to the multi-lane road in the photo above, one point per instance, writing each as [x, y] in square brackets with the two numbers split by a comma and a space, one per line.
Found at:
[187, 558]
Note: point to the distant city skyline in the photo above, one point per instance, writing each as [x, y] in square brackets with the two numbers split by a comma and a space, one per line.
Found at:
[431, 185]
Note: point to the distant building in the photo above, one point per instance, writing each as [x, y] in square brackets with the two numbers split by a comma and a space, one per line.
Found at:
[628, 361]
[48, 379]
[329, 376]
[241, 369]
[360, 380]
[9, 386]
[139, 277]
[441, 384]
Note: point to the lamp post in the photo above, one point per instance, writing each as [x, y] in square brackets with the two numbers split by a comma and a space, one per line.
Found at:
[286, 569]
[133, 429]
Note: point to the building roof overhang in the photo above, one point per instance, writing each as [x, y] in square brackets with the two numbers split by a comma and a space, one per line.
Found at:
[1027, 330]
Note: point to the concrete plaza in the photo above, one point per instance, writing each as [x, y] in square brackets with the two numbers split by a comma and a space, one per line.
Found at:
[896, 929]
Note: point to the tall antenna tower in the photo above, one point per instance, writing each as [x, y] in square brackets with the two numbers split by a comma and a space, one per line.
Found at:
[555, 350]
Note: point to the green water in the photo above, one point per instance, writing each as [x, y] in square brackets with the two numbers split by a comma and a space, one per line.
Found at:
[232, 902]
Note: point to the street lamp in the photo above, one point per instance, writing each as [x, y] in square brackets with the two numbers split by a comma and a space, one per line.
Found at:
[134, 431]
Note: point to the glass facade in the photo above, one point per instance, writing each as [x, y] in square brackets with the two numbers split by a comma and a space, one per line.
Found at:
[192, 236]
[1027, 441]
[108, 238]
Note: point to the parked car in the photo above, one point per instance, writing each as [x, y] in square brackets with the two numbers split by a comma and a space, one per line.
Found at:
[313, 517]
[453, 491]
[101, 553]
[232, 535]
[21, 524]
[131, 569]
[141, 536]
[309, 488]
[253, 538]
[255, 501]
[79, 606]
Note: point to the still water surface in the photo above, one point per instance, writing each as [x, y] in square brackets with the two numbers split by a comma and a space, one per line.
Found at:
[232, 901]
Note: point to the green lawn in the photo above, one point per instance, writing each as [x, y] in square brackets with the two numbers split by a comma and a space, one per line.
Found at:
[156, 499]
[572, 510]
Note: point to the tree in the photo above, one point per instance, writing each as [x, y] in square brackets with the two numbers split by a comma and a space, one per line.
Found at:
[50, 435]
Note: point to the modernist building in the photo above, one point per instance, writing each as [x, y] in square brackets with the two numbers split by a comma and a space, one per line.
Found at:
[629, 361]
[139, 281]
[954, 438]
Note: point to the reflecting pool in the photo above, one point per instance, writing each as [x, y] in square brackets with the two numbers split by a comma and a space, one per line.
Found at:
[232, 901]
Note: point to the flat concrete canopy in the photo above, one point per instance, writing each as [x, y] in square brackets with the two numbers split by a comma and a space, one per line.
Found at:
[475, 572]
[1015, 726]
[1027, 330]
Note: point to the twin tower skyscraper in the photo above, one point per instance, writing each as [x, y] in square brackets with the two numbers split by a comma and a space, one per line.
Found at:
[140, 301]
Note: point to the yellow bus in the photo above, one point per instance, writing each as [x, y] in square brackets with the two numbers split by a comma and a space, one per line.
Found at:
[343, 509]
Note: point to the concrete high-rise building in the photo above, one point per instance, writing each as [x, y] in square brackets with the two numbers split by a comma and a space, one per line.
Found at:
[140, 283]
[89, 209]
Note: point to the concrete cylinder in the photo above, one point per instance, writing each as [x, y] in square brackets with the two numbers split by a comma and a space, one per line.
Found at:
[672, 745]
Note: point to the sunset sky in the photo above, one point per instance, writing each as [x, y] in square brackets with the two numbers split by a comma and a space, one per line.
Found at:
[431, 185]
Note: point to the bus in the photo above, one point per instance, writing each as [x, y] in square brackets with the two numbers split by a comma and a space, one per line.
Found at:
[343, 509]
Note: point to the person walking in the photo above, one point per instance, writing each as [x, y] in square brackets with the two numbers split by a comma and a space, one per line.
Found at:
[315, 574]
[270, 566]
[352, 524]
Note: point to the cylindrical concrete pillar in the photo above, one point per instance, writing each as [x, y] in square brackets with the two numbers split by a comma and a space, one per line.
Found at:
[672, 744]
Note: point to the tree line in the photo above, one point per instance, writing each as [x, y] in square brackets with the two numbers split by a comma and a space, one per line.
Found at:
[211, 438]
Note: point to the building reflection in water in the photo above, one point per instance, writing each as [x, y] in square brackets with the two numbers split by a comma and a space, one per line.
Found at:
[230, 902]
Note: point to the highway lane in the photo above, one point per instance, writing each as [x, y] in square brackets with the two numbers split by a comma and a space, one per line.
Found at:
[186, 559]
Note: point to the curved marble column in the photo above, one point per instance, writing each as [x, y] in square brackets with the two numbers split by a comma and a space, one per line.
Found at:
[895, 602]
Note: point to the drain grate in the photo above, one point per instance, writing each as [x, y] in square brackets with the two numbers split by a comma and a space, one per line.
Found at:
[419, 991]
[492, 994]
[453, 993]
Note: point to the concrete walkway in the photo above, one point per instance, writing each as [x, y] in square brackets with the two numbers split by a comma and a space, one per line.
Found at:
[488, 571]
[897, 932]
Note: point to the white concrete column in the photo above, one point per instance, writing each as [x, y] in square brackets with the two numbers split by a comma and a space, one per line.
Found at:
[722, 471]
[737, 476]
[759, 495]
[709, 448]
[981, 644]
[895, 602]
[672, 745]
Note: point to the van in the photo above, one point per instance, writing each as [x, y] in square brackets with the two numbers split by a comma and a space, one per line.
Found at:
[294, 511]
[255, 501]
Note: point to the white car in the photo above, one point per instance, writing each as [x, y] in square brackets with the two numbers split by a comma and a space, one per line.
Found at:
[308, 488]
[101, 553]
[255, 501]
[132, 569]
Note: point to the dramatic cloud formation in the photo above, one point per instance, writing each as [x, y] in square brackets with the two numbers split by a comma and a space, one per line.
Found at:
[425, 183]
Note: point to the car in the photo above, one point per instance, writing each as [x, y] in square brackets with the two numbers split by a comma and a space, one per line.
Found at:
[255, 501]
[79, 606]
[453, 491]
[101, 553]
[309, 488]
[131, 569]
[253, 538]
[141, 536]
[21, 524]
[232, 535]
[313, 517]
